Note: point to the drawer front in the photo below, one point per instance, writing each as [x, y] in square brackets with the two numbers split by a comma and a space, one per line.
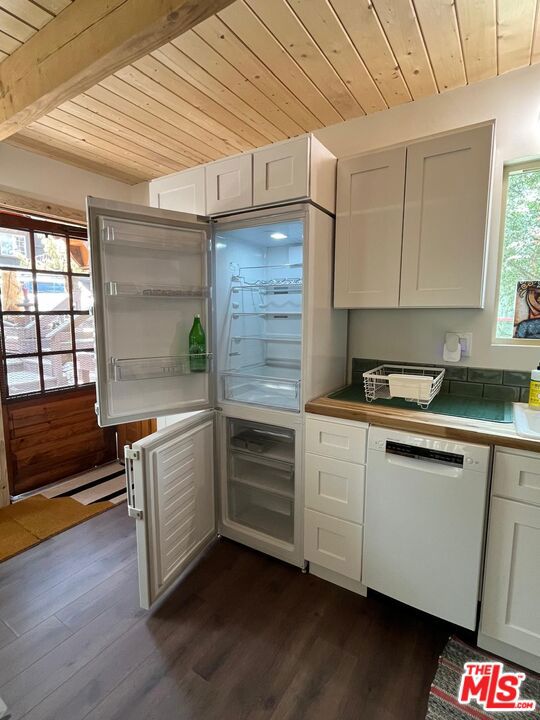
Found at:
[335, 487]
[343, 442]
[334, 544]
[517, 477]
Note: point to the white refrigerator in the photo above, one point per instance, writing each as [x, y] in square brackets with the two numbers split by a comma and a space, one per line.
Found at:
[231, 461]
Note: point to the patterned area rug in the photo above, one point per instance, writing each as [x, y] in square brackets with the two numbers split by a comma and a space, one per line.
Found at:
[443, 703]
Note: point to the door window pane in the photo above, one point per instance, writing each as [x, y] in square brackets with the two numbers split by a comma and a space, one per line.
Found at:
[58, 371]
[23, 375]
[52, 292]
[16, 291]
[20, 334]
[46, 331]
[84, 332]
[55, 332]
[51, 252]
[79, 255]
[82, 293]
[86, 367]
[15, 249]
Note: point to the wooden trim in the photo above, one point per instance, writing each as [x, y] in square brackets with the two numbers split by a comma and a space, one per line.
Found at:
[4, 474]
[22, 203]
[412, 421]
[85, 43]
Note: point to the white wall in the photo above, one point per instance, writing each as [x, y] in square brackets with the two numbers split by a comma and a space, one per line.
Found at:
[40, 177]
[417, 335]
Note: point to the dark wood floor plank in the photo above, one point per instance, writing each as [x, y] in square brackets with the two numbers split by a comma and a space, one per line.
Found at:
[26, 649]
[71, 553]
[6, 634]
[85, 608]
[242, 637]
[33, 685]
[28, 612]
[65, 544]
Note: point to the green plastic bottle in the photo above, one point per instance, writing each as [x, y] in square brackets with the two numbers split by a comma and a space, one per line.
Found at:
[197, 346]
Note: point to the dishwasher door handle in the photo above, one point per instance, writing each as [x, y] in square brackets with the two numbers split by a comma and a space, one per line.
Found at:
[425, 466]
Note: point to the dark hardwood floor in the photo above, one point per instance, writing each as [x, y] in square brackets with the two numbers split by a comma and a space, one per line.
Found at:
[243, 637]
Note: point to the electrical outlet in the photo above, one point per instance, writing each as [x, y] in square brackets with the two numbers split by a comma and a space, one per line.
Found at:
[465, 340]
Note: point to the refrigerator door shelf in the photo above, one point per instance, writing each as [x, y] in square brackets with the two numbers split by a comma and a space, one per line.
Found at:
[158, 367]
[174, 292]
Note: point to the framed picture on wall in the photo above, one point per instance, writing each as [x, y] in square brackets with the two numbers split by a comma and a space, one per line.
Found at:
[527, 310]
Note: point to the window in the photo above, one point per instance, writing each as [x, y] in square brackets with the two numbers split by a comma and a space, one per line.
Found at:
[46, 330]
[520, 254]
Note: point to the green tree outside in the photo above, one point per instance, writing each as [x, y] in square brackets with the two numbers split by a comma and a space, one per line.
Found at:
[521, 250]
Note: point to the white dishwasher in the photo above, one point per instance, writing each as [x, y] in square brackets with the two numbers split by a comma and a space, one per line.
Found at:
[424, 522]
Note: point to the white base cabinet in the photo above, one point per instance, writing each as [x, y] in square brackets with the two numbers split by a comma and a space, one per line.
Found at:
[334, 500]
[510, 618]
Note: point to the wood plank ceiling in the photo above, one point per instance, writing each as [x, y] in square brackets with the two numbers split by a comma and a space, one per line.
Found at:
[264, 70]
[20, 19]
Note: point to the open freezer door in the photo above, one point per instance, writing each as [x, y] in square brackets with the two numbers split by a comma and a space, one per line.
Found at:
[170, 482]
[150, 277]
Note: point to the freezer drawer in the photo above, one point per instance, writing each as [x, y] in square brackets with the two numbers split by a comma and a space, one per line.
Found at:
[262, 511]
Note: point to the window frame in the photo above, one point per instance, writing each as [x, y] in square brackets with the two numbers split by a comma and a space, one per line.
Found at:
[509, 169]
[33, 225]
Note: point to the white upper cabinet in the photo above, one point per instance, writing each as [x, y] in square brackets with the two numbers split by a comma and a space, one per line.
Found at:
[289, 170]
[369, 224]
[183, 191]
[445, 220]
[229, 184]
[294, 169]
[412, 224]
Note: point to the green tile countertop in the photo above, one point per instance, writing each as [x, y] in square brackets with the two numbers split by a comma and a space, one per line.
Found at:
[474, 408]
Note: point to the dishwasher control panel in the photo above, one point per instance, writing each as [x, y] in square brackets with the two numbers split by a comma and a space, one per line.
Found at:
[421, 447]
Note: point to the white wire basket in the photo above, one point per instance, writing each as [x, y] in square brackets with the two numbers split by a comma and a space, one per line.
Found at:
[414, 383]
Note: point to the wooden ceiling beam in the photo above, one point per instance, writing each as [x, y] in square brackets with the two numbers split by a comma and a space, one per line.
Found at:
[85, 43]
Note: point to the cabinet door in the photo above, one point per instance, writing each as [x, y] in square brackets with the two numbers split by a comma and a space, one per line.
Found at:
[369, 218]
[445, 220]
[281, 172]
[335, 487]
[229, 184]
[183, 192]
[510, 609]
[170, 483]
[334, 544]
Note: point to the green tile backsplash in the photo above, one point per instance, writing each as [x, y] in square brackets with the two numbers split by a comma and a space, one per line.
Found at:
[490, 383]
[484, 375]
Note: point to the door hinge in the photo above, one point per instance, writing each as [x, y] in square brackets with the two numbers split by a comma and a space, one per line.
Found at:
[135, 513]
[131, 454]
[96, 409]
